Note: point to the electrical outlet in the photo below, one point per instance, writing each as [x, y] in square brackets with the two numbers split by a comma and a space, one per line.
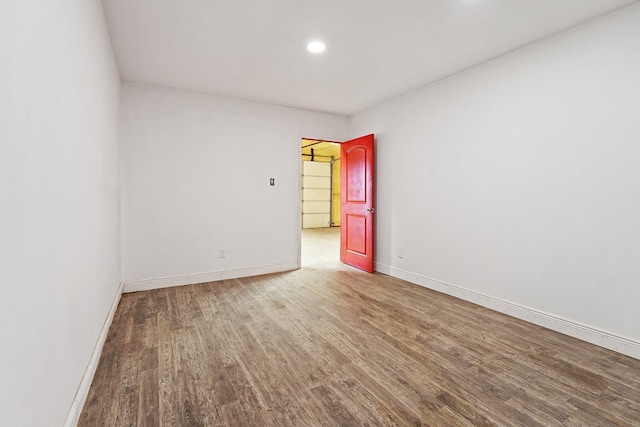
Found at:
[400, 253]
[221, 253]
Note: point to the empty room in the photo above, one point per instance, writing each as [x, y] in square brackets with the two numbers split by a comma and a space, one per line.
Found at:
[468, 170]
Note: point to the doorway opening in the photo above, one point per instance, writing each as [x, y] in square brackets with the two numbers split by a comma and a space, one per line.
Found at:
[322, 187]
[321, 202]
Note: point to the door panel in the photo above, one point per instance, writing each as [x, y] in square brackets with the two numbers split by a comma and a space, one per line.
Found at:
[316, 195]
[316, 168]
[316, 220]
[357, 238]
[316, 182]
[357, 180]
[315, 207]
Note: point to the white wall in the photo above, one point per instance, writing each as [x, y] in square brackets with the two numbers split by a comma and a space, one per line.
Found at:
[516, 182]
[59, 207]
[195, 179]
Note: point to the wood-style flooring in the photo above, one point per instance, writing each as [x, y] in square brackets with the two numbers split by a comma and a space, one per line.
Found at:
[339, 347]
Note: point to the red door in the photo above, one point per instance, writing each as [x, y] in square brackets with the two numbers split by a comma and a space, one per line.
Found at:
[356, 180]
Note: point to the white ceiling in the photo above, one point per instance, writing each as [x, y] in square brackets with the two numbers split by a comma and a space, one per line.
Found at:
[376, 49]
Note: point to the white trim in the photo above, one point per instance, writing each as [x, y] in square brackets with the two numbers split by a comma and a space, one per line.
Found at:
[298, 224]
[87, 378]
[189, 279]
[133, 286]
[574, 329]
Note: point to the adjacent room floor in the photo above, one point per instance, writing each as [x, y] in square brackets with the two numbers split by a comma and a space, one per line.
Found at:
[329, 345]
[320, 246]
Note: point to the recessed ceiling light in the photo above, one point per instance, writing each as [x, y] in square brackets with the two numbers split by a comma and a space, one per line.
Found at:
[316, 47]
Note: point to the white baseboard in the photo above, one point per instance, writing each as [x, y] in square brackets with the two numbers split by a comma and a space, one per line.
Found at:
[140, 285]
[586, 333]
[583, 332]
[87, 378]
[190, 279]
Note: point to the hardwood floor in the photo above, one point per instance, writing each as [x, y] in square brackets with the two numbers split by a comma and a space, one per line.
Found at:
[326, 347]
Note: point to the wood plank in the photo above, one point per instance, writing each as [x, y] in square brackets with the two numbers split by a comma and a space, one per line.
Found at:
[329, 347]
